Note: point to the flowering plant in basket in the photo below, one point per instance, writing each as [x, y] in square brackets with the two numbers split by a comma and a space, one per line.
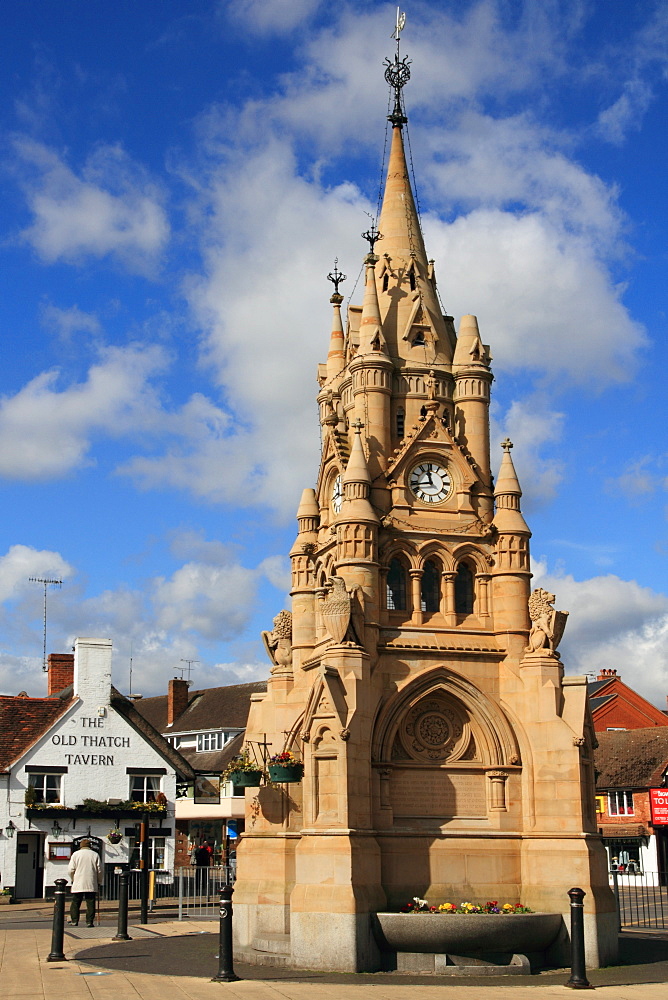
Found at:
[242, 762]
[285, 758]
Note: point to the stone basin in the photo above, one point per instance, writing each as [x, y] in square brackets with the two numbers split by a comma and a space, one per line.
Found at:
[467, 933]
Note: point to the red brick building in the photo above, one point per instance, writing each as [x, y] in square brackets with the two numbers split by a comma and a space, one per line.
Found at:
[614, 705]
[628, 765]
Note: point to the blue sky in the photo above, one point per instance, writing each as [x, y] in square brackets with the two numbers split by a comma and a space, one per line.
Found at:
[176, 181]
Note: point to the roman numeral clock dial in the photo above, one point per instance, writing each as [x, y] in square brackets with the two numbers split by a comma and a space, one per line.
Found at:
[430, 482]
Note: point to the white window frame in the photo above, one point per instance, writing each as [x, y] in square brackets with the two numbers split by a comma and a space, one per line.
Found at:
[206, 742]
[152, 786]
[39, 780]
[620, 803]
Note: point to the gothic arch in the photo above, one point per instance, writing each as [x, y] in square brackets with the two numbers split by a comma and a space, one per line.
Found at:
[398, 549]
[434, 549]
[481, 561]
[495, 738]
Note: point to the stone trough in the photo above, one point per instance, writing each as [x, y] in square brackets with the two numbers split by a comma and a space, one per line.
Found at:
[463, 944]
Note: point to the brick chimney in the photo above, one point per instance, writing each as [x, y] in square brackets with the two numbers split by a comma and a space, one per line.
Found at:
[61, 671]
[177, 699]
[606, 674]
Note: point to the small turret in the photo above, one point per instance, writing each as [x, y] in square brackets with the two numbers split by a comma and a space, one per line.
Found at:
[473, 379]
[512, 570]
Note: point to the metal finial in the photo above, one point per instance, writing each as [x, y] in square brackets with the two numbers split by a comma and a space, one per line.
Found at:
[507, 444]
[372, 236]
[398, 74]
[357, 426]
[336, 276]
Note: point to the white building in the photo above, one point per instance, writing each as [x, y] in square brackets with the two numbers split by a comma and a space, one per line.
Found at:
[82, 762]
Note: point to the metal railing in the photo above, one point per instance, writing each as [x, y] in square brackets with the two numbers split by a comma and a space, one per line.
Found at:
[642, 898]
[194, 891]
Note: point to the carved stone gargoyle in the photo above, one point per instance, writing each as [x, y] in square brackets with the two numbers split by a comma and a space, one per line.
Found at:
[547, 624]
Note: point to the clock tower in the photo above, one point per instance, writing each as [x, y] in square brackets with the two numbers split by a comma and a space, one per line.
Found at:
[445, 754]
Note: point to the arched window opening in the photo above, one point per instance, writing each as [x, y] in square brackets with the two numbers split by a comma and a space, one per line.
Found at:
[411, 278]
[385, 281]
[396, 586]
[464, 589]
[401, 422]
[418, 339]
[430, 587]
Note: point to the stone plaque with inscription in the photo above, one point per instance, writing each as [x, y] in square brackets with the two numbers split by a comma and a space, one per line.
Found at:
[438, 793]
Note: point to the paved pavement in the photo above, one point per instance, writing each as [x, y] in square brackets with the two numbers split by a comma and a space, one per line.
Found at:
[176, 964]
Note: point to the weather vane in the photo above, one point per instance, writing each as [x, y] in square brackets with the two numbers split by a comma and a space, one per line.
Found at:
[336, 277]
[397, 73]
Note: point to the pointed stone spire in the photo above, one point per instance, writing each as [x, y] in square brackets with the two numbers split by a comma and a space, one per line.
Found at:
[410, 308]
[399, 221]
[357, 483]
[470, 349]
[371, 327]
[507, 495]
[308, 512]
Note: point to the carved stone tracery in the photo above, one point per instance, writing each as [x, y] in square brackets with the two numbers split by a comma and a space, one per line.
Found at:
[435, 729]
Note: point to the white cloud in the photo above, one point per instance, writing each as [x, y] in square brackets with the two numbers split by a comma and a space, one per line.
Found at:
[67, 322]
[46, 432]
[626, 113]
[531, 425]
[270, 17]
[110, 210]
[21, 562]
[613, 623]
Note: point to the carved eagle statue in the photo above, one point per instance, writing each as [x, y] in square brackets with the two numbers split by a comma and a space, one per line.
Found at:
[342, 612]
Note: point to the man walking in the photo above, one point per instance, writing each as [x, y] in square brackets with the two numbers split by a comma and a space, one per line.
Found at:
[86, 874]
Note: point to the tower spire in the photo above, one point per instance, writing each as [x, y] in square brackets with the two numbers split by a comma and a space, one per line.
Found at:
[336, 354]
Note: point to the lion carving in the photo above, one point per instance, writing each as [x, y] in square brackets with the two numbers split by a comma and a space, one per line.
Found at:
[278, 643]
[547, 624]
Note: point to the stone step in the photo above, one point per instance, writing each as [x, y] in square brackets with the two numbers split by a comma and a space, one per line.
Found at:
[273, 943]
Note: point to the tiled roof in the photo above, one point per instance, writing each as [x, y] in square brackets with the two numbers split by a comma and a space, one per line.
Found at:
[594, 686]
[22, 722]
[127, 709]
[635, 758]
[595, 703]
[211, 708]
[213, 761]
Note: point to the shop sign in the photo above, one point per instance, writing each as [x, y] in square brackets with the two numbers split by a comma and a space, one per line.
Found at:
[658, 798]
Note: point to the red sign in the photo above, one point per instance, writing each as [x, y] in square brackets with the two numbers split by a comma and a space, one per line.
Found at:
[658, 798]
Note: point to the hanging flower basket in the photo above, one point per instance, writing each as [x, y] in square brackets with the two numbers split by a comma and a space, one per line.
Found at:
[114, 836]
[285, 767]
[246, 779]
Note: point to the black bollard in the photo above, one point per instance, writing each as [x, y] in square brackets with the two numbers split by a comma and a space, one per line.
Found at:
[578, 980]
[226, 972]
[58, 933]
[122, 931]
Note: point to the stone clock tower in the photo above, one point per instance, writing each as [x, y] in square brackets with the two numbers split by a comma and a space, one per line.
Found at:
[446, 756]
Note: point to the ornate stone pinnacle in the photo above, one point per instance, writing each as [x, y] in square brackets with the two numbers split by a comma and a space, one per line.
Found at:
[357, 426]
[507, 444]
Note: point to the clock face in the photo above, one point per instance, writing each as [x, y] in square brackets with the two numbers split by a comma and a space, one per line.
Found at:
[430, 482]
[337, 495]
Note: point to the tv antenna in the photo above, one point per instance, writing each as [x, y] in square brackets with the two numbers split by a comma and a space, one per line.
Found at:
[47, 583]
[187, 669]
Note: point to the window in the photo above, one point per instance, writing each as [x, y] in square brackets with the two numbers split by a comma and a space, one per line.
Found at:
[385, 281]
[401, 423]
[418, 339]
[620, 803]
[411, 278]
[396, 587]
[209, 741]
[430, 587]
[144, 787]
[464, 592]
[47, 787]
[156, 851]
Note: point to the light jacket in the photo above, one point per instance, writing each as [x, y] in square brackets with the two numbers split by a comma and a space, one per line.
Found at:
[85, 870]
